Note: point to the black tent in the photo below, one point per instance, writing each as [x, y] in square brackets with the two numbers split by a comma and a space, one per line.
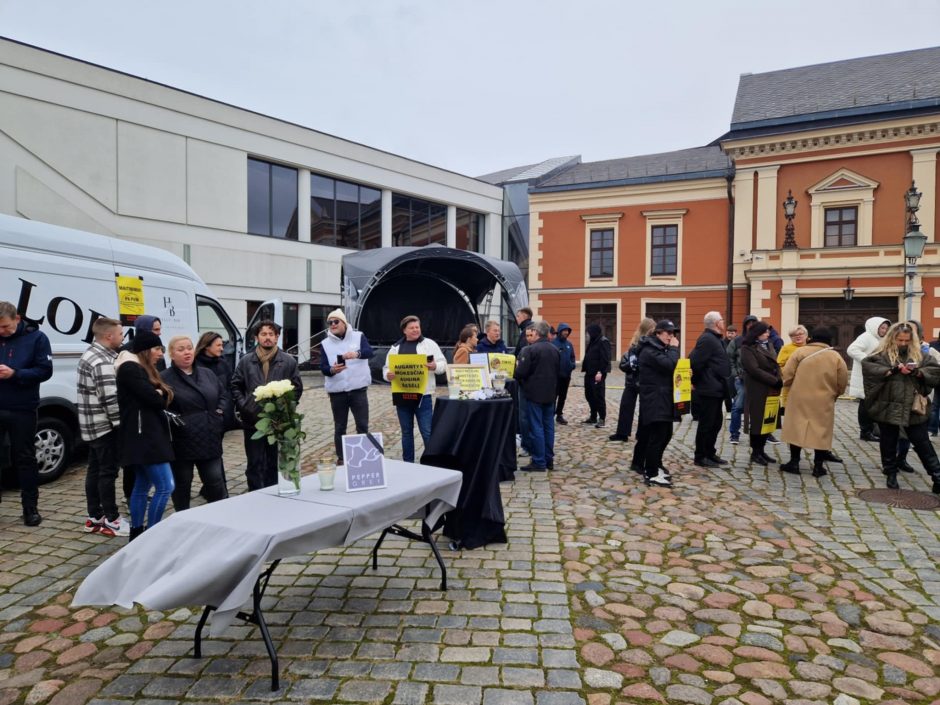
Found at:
[446, 288]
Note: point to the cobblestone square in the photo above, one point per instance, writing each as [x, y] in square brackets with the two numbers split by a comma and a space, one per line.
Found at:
[741, 586]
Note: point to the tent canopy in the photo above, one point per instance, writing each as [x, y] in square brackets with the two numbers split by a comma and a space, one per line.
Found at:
[443, 286]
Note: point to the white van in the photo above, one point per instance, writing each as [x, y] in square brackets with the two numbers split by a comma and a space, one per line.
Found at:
[63, 279]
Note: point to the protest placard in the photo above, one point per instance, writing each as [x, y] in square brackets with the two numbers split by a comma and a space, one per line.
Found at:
[411, 378]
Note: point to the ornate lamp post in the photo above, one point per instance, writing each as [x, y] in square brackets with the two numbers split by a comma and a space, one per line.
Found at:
[914, 242]
[789, 211]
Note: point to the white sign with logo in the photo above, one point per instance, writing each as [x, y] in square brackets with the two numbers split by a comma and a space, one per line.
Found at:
[364, 461]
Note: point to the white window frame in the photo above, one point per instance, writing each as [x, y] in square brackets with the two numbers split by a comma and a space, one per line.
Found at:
[601, 221]
[860, 193]
[673, 216]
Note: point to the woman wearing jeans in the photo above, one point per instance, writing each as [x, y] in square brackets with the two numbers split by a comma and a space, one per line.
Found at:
[411, 343]
[145, 440]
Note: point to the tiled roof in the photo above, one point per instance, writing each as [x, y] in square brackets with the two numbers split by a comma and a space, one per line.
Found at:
[836, 89]
[530, 172]
[698, 162]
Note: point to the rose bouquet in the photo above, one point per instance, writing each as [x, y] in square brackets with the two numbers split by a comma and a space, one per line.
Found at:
[280, 423]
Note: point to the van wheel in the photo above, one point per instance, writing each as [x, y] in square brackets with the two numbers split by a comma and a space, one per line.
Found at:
[54, 443]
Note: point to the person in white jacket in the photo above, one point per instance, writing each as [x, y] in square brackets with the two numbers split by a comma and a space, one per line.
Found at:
[412, 342]
[863, 346]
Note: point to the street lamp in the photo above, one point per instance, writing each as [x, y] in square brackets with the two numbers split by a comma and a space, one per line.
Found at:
[914, 242]
[848, 293]
[789, 211]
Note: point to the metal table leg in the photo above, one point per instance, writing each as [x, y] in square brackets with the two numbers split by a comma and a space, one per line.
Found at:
[426, 536]
[256, 616]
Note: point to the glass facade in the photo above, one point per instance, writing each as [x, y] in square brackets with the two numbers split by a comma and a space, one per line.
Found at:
[470, 230]
[516, 225]
[272, 200]
[417, 222]
[344, 214]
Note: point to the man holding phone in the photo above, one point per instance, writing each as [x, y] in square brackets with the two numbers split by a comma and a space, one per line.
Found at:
[346, 376]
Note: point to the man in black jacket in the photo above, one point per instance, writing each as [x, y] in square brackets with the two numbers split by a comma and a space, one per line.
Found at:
[596, 365]
[537, 371]
[711, 377]
[524, 319]
[25, 363]
[266, 364]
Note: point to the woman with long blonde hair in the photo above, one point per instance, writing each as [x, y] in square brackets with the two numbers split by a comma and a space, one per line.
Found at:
[898, 379]
[630, 388]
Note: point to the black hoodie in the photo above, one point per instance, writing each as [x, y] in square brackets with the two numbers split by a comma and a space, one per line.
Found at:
[597, 354]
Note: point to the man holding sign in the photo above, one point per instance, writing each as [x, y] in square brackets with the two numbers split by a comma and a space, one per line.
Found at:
[411, 366]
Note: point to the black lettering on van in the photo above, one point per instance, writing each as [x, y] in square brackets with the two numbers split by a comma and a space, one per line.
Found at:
[53, 312]
[26, 289]
[89, 334]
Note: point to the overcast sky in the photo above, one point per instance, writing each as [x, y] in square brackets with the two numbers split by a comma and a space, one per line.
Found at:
[476, 85]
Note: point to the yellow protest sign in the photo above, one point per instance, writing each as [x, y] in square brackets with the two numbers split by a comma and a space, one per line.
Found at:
[502, 361]
[682, 386]
[771, 411]
[466, 379]
[410, 380]
[130, 298]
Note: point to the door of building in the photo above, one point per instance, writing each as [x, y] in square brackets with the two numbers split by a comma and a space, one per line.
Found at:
[846, 319]
[604, 315]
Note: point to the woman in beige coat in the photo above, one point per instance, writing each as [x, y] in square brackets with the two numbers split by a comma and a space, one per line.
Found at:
[816, 375]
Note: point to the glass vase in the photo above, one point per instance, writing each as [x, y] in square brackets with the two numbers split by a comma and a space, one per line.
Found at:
[288, 468]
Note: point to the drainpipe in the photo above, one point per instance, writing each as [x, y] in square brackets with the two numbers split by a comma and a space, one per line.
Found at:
[729, 297]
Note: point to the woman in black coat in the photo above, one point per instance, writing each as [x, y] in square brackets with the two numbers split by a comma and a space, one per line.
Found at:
[144, 434]
[762, 379]
[658, 355]
[209, 351]
[199, 399]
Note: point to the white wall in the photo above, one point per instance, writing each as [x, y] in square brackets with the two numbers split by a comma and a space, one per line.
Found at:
[93, 149]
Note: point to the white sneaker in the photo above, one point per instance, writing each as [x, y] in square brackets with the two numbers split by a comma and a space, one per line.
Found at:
[118, 527]
[661, 479]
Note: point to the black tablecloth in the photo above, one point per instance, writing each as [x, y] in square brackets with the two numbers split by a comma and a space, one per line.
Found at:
[472, 436]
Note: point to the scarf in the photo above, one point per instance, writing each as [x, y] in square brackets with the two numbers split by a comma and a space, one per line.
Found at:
[265, 358]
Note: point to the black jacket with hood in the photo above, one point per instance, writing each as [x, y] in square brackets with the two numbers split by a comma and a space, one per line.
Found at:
[657, 363]
[597, 353]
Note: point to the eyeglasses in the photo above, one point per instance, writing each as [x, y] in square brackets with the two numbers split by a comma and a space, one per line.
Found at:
[334, 321]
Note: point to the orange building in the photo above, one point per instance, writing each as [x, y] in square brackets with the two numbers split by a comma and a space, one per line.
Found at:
[675, 235]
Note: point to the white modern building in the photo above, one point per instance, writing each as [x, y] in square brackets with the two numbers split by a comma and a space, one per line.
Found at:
[259, 207]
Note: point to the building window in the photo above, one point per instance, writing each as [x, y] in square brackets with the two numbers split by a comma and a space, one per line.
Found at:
[272, 200]
[344, 214]
[664, 250]
[666, 312]
[417, 222]
[602, 253]
[469, 230]
[841, 226]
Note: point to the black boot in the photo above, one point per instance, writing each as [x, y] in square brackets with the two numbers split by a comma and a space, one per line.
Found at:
[31, 516]
[903, 465]
[832, 457]
[792, 467]
[758, 459]
[819, 468]
[891, 481]
[135, 532]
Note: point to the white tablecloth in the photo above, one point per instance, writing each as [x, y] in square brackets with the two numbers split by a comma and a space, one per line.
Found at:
[213, 554]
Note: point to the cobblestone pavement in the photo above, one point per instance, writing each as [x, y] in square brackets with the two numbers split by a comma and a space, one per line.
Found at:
[739, 586]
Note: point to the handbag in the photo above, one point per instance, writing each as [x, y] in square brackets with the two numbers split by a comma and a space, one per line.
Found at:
[921, 404]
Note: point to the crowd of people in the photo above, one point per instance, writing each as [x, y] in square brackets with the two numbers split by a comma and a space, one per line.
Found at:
[160, 423]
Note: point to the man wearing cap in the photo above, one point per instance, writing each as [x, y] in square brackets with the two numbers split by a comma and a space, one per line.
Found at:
[267, 363]
[25, 363]
[711, 377]
[346, 376]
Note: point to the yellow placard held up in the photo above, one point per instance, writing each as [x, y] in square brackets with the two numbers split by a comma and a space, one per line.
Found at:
[502, 361]
[682, 386]
[411, 378]
[771, 411]
[130, 298]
